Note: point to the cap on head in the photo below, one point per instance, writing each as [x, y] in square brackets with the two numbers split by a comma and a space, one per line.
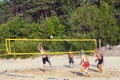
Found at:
[82, 51]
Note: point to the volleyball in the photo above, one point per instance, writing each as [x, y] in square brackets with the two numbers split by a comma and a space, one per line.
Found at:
[51, 37]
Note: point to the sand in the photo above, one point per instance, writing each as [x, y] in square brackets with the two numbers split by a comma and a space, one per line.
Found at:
[32, 69]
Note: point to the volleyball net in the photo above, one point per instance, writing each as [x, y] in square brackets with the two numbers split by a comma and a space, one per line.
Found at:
[52, 46]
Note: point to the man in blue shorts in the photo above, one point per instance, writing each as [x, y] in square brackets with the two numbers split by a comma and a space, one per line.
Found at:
[99, 56]
[71, 60]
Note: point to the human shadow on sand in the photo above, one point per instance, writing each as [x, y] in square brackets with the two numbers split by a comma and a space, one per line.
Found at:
[77, 73]
[93, 70]
[94, 65]
[67, 66]
[41, 69]
[3, 72]
[18, 75]
[44, 70]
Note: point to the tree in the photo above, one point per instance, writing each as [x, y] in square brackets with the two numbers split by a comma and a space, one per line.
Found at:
[33, 10]
[89, 21]
[54, 27]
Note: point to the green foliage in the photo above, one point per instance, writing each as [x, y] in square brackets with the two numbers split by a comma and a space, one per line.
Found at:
[94, 22]
[15, 28]
[83, 21]
[20, 46]
[54, 26]
[75, 19]
[35, 30]
[16, 56]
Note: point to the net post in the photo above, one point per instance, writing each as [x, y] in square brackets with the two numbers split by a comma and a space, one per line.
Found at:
[6, 46]
[99, 44]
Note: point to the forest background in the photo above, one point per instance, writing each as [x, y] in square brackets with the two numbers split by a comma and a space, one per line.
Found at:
[64, 19]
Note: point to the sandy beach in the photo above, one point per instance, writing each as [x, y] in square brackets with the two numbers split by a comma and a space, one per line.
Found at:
[32, 69]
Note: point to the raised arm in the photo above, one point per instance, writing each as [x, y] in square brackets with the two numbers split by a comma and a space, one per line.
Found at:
[98, 55]
[39, 47]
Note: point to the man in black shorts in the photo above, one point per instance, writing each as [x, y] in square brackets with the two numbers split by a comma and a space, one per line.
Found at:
[45, 57]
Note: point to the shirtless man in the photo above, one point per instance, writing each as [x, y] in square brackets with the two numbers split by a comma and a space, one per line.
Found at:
[85, 63]
[99, 56]
[71, 60]
[44, 56]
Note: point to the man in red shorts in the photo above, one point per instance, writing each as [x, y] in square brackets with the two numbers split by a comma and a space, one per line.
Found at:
[85, 63]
